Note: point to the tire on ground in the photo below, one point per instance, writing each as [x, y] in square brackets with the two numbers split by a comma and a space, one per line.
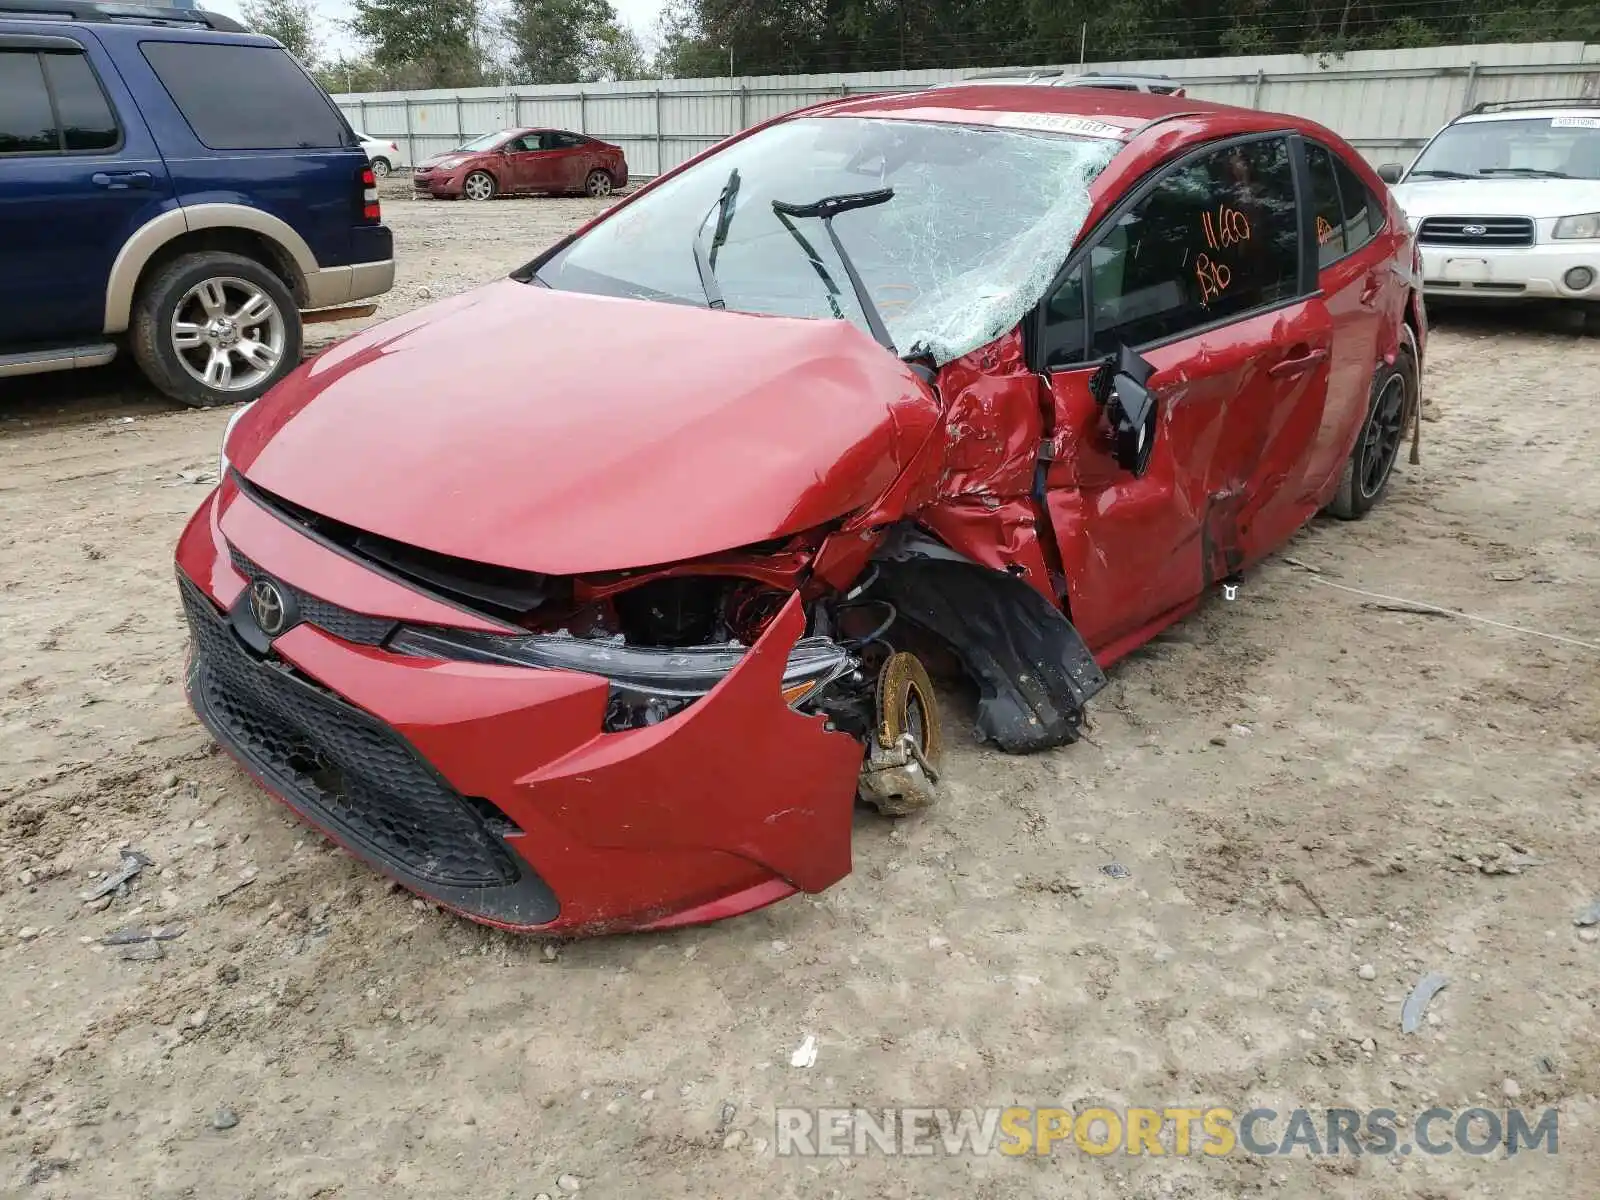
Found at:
[1350, 503]
[155, 308]
[466, 184]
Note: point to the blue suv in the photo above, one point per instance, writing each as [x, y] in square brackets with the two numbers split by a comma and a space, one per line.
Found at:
[176, 187]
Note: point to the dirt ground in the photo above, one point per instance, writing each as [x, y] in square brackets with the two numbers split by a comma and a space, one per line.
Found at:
[1299, 785]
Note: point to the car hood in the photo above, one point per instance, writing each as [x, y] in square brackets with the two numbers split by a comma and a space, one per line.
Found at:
[1498, 197]
[566, 433]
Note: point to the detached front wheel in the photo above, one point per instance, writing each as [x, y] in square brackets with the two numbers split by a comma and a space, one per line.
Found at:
[1390, 410]
[215, 328]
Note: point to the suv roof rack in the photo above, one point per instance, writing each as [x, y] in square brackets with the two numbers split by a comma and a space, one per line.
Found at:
[1497, 105]
[1124, 75]
[1017, 73]
[117, 14]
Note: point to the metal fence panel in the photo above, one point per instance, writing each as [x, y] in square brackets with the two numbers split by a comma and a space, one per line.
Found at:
[1385, 102]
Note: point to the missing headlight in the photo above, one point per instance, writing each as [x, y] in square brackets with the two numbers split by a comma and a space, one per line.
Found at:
[648, 684]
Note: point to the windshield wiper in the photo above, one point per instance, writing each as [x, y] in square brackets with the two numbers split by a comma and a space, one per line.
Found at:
[1441, 174]
[705, 262]
[827, 209]
[1534, 172]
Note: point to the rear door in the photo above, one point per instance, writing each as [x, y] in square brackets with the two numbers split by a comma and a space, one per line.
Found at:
[570, 159]
[239, 122]
[76, 180]
[1200, 273]
[1358, 286]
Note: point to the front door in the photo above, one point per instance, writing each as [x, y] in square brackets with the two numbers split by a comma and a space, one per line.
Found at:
[529, 164]
[74, 185]
[1200, 274]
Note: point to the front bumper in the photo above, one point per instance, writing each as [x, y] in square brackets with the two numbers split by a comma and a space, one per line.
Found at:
[437, 183]
[491, 789]
[1509, 272]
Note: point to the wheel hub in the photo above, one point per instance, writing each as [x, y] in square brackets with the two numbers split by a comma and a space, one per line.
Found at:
[222, 333]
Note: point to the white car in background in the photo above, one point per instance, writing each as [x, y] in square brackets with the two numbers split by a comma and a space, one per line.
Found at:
[1505, 203]
[383, 155]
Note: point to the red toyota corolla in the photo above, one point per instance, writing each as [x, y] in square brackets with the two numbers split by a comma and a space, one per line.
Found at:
[612, 630]
[523, 160]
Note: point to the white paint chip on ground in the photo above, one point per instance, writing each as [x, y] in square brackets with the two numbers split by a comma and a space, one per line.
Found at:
[805, 1054]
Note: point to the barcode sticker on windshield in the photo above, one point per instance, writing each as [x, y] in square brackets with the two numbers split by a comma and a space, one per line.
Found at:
[1575, 122]
[1056, 123]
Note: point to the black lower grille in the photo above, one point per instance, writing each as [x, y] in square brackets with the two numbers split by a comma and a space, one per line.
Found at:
[350, 626]
[1476, 231]
[342, 767]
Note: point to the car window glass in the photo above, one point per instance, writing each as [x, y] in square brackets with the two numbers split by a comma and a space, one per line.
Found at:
[1066, 333]
[245, 97]
[1217, 237]
[1361, 215]
[525, 144]
[84, 112]
[1327, 220]
[26, 123]
[566, 141]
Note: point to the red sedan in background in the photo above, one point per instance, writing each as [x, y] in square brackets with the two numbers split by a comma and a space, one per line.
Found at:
[524, 160]
[611, 631]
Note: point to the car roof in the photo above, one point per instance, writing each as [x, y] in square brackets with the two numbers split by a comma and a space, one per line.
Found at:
[1003, 104]
[1522, 114]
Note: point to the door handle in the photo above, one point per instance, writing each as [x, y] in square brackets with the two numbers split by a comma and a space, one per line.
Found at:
[1298, 365]
[118, 181]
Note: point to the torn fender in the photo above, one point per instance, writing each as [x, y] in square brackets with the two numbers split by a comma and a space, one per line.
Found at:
[1034, 673]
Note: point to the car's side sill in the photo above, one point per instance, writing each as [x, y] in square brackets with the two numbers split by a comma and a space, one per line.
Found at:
[59, 358]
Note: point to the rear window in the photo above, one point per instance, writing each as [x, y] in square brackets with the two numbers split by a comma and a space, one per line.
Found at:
[246, 97]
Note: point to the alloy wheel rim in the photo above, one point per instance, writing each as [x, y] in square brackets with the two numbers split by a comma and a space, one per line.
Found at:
[478, 187]
[228, 333]
[599, 185]
[1380, 440]
[380, 169]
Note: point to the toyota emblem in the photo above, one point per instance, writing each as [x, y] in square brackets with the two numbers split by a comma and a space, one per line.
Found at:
[1474, 230]
[268, 607]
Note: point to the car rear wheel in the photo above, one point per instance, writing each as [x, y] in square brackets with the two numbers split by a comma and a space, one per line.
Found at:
[598, 183]
[381, 168]
[479, 185]
[215, 328]
[1390, 410]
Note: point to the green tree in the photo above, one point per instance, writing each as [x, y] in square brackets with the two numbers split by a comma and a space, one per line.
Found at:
[290, 21]
[422, 43]
[568, 41]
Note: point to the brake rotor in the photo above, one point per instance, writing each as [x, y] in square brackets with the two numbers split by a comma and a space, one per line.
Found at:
[907, 744]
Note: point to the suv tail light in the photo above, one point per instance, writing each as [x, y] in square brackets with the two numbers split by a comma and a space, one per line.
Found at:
[369, 196]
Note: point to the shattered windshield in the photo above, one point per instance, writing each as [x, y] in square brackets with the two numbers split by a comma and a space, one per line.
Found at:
[979, 221]
[1553, 147]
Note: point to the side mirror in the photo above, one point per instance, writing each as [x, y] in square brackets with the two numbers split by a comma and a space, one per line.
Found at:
[1391, 172]
[1121, 388]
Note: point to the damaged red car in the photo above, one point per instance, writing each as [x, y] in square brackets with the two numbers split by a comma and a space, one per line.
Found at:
[613, 631]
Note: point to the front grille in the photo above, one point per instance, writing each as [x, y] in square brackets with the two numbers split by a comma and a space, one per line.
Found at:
[331, 618]
[340, 766]
[1476, 231]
